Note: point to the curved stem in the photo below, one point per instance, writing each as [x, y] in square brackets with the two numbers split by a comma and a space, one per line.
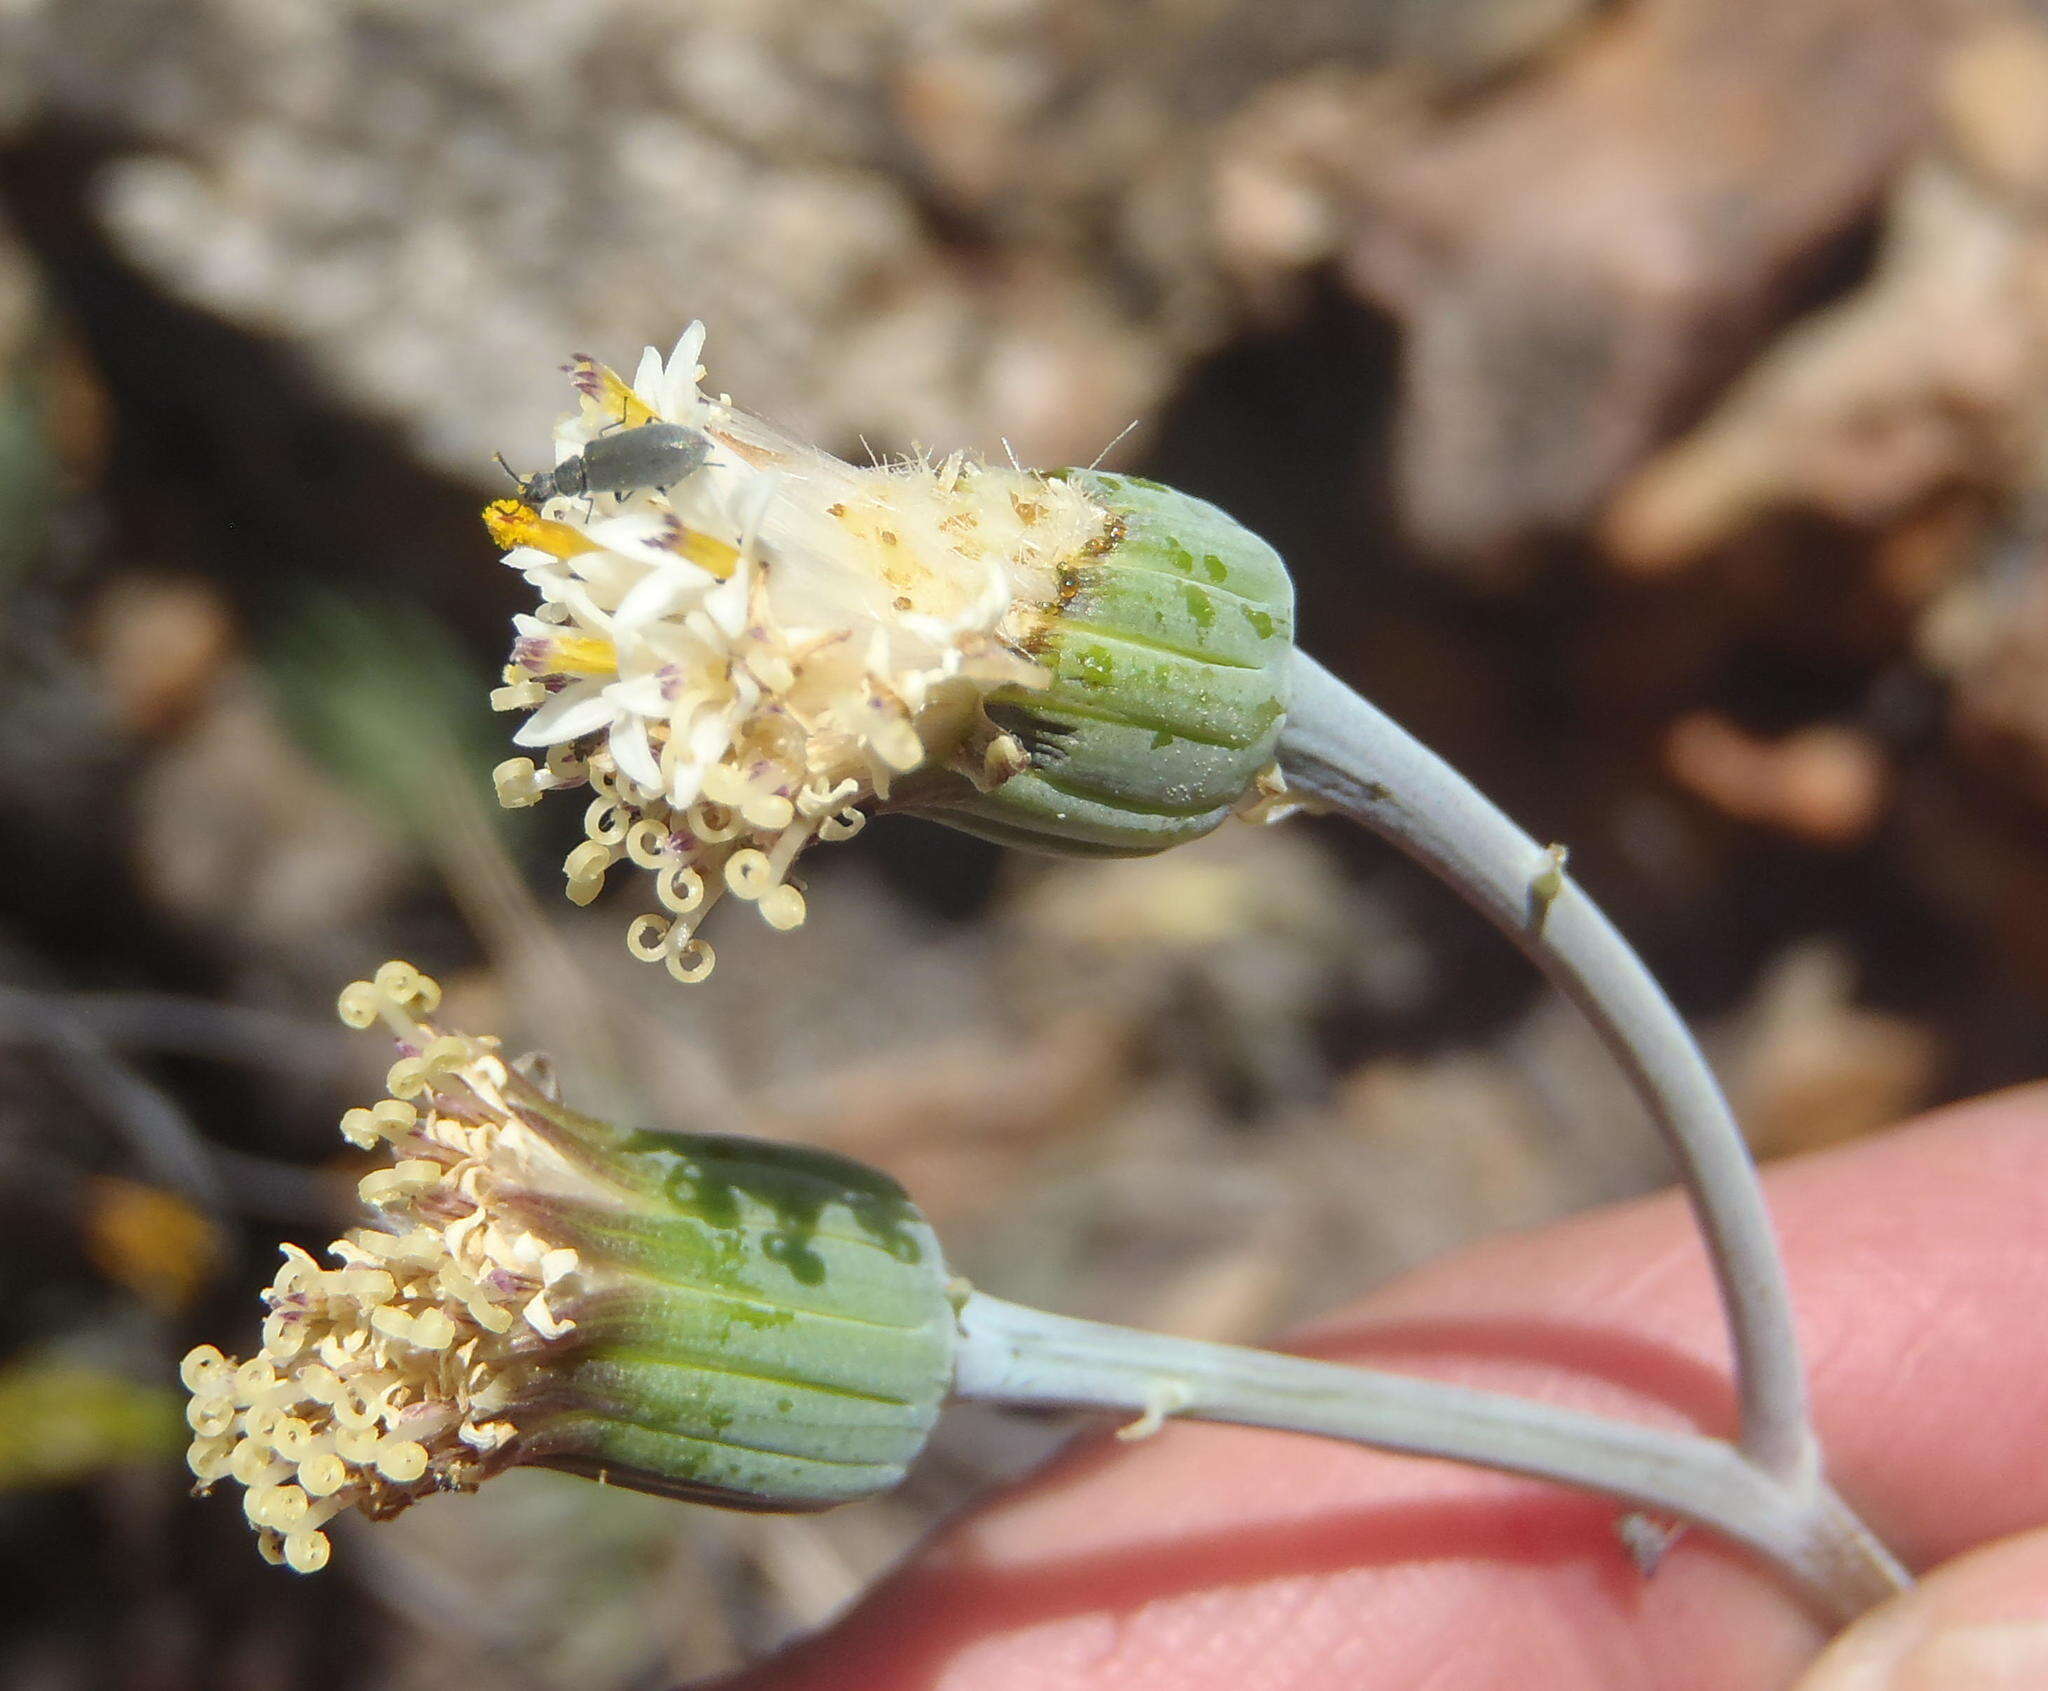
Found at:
[1342, 753]
[1011, 1354]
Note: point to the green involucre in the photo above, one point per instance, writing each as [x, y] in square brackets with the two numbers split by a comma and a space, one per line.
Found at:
[1168, 656]
[780, 1335]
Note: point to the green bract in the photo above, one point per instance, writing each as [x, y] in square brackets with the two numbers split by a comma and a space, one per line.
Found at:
[776, 1332]
[1168, 652]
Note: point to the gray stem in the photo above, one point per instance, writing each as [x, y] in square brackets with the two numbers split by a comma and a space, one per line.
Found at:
[1342, 753]
[1015, 1355]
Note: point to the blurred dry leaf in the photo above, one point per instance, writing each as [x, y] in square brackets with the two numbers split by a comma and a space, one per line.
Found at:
[159, 645]
[238, 834]
[1228, 947]
[955, 1122]
[1931, 374]
[2000, 718]
[1577, 260]
[1825, 785]
[1813, 1067]
[952, 222]
[151, 1241]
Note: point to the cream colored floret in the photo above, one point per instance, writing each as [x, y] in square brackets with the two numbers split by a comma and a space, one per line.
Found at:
[735, 664]
[397, 1372]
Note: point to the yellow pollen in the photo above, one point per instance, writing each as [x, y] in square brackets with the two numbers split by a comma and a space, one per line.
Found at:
[579, 654]
[619, 403]
[515, 524]
[708, 553]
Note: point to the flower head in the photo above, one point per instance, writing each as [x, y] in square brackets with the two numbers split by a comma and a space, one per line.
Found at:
[666, 1311]
[736, 662]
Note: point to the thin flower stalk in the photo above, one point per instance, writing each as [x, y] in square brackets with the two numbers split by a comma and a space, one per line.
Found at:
[1341, 753]
[1016, 1355]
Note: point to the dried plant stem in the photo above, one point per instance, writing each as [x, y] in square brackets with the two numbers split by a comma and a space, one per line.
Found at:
[1015, 1355]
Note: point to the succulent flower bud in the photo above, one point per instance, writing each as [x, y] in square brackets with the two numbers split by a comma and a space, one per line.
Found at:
[729, 1320]
[1166, 656]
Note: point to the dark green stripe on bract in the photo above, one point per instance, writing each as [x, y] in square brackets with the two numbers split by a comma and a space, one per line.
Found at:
[768, 1325]
[1168, 660]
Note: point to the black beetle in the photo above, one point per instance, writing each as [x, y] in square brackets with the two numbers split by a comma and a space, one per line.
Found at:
[653, 456]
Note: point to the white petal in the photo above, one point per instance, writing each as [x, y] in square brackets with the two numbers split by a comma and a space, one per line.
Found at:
[654, 596]
[535, 628]
[636, 534]
[726, 605]
[577, 710]
[709, 735]
[634, 753]
[751, 508]
[643, 695]
[679, 397]
[689, 351]
[647, 377]
[685, 780]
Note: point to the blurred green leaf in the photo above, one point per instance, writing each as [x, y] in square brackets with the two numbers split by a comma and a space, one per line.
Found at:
[384, 697]
[61, 1422]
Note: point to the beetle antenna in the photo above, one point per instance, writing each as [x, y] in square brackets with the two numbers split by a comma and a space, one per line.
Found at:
[517, 480]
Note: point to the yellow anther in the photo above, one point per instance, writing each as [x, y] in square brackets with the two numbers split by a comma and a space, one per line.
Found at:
[210, 1417]
[605, 822]
[514, 524]
[617, 404]
[358, 1444]
[208, 1458]
[254, 1377]
[433, 1330]
[724, 784]
[572, 652]
[708, 552]
[251, 1461]
[712, 823]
